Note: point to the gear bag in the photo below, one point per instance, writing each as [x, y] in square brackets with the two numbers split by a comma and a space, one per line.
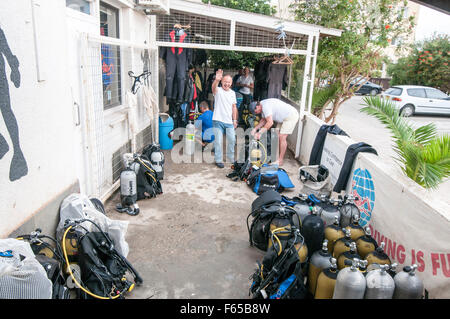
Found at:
[265, 209]
[148, 184]
[280, 274]
[269, 178]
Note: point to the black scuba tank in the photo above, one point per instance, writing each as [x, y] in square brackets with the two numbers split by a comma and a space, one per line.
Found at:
[313, 231]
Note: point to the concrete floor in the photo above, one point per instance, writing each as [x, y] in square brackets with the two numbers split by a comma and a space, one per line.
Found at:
[192, 241]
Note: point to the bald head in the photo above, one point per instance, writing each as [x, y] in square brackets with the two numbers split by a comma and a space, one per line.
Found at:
[227, 81]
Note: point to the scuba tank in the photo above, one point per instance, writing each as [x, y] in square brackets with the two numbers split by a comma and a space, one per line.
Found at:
[407, 284]
[378, 256]
[380, 284]
[190, 139]
[302, 208]
[319, 260]
[366, 244]
[157, 160]
[356, 229]
[313, 231]
[281, 221]
[128, 192]
[326, 281]
[302, 250]
[362, 267]
[333, 233]
[255, 154]
[342, 244]
[348, 209]
[328, 211]
[350, 254]
[350, 283]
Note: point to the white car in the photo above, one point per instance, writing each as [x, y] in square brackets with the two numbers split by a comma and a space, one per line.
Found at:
[414, 99]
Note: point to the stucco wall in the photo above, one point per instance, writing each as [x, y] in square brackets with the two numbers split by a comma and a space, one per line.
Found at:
[41, 109]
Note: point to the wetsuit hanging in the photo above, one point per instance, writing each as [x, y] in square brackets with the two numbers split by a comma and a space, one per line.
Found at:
[177, 61]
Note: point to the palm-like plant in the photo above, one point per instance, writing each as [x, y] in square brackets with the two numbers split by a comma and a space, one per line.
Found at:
[422, 154]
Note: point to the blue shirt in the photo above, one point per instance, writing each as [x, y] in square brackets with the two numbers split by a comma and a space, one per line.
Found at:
[206, 121]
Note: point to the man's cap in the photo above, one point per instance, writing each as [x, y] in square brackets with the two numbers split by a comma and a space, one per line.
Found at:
[252, 107]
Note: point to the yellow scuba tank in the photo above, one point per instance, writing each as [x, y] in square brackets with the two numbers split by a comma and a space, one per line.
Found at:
[356, 229]
[282, 224]
[366, 244]
[326, 281]
[332, 233]
[342, 244]
[347, 255]
[319, 260]
[302, 249]
[378, 256]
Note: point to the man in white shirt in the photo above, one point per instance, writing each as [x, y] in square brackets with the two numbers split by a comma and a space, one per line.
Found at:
[275, 110]
[225, 117]
[245, 83]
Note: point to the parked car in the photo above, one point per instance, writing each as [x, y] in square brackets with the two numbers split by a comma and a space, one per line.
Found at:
[367, 88]
[414, 99]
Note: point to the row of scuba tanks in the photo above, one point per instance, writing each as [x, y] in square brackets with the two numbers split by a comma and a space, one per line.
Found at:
[340, 258]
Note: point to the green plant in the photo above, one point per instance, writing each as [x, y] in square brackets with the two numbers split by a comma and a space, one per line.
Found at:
[427, 64]
[423, 155]
[322, 97]
[367, 27]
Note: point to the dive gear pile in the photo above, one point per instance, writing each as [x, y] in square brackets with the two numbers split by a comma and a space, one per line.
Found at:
[140, 178]
[306, 259]
[86, 259]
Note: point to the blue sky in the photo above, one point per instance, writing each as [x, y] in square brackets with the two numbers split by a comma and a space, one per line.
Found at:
[431, 21]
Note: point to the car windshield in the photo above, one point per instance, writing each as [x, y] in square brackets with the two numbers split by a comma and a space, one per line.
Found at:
[394, 91]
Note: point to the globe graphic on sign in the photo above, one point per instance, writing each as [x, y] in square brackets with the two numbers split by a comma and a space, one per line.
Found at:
[363, 188]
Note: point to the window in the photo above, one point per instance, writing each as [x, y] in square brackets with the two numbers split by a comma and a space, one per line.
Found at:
[394, 91]
[109, 27]
[416, 92]
[79, 5]
[436, 94]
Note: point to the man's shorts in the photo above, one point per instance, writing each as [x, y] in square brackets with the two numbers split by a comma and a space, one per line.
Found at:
[288, 125]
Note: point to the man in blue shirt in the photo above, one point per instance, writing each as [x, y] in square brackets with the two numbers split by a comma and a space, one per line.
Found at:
[205, 122]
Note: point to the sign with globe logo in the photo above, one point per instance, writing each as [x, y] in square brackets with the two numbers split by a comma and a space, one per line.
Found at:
[363, 189]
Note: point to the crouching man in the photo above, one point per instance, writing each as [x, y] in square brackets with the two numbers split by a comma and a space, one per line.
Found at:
[275, 111]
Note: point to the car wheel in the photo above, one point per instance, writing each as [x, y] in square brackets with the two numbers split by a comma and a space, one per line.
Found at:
[407, 110]
[373, 92]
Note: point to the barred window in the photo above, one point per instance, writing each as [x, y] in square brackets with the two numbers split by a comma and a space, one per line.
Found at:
[109, 27]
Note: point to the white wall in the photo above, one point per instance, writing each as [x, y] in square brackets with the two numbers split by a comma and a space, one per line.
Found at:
[47, 39]
[414, 225]
[43, 110]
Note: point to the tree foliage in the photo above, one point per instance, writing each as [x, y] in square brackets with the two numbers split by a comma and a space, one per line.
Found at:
[368, 26]
[423, 155]
[235, 59]
[427, 64]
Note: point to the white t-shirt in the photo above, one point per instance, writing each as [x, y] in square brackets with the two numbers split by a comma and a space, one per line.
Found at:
[245, 80]
[278, 109]
[223, 105]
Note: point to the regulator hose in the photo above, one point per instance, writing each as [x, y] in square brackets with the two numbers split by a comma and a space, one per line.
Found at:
[137, 278]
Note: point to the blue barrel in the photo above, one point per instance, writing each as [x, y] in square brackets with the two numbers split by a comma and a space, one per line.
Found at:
[165, 126]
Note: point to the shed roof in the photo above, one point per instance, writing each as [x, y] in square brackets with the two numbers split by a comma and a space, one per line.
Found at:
[215, 27]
